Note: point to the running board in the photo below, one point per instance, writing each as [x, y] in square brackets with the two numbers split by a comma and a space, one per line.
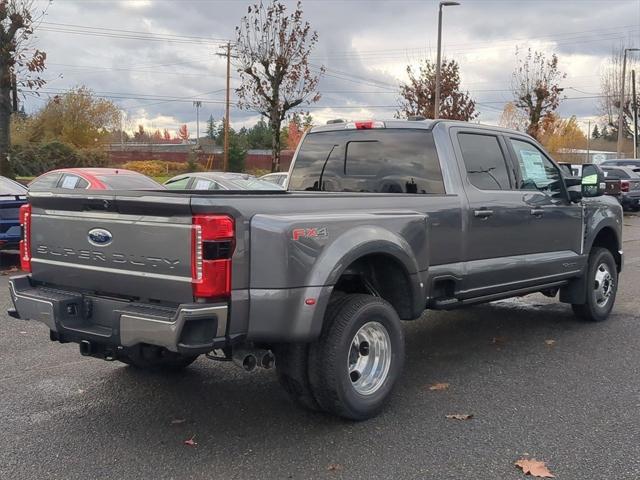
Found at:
[451, 303]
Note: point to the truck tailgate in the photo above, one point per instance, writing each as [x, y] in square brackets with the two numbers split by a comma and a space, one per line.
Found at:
[136, 247]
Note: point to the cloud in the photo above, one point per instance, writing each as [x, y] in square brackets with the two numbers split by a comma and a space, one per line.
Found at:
[365, 45]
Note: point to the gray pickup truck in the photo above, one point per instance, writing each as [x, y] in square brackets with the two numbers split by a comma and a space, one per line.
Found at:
[381, 221]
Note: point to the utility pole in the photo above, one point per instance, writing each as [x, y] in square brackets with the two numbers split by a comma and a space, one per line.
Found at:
[227, 102]
[436, 103]
[121, 131]
[588, 142]
[197, 104]
[621, 107]
[634, 99]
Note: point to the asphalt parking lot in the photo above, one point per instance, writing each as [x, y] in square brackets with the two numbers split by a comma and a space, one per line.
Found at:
[538, 383]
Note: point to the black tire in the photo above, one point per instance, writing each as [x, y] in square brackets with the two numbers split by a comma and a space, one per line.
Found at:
[154, 358]
[329, 357]
[592, 311]
[292, 365]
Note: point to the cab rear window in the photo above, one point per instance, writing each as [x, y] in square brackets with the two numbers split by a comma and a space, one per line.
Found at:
[376, 161]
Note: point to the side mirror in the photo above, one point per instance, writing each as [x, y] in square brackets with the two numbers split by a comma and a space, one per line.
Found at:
[593, 181]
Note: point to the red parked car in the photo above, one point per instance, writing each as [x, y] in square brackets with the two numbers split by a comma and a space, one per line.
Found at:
[94, 179]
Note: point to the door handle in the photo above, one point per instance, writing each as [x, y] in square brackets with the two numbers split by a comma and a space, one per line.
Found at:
[484, 214]
[538, 212]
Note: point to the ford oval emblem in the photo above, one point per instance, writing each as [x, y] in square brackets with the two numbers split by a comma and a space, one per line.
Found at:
[100, 237]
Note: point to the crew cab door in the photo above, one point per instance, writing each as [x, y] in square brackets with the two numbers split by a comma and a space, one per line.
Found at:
[509, 243]
[556, 222]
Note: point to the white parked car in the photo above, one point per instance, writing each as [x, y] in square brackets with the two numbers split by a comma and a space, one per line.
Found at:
[281, 178]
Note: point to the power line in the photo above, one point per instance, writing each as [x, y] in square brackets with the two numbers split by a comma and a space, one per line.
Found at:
[136, 32]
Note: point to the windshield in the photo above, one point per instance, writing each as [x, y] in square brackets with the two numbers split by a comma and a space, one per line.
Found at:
[129, 182]
[9, 187]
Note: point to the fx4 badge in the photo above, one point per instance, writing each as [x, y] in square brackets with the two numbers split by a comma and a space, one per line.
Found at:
[316, 232]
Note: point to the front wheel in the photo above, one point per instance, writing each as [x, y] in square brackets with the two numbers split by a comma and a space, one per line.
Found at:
[358, 359]
[602, 286]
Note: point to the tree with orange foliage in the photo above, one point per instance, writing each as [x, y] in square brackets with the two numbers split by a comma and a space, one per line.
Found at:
[294, 132]
[557, 134]
[183, 133]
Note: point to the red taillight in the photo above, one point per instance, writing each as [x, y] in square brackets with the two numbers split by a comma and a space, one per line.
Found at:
[25, 243]
[213, 241]
[624, 185]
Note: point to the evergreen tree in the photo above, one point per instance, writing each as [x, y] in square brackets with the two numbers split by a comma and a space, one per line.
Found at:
[237, 151]
[596, 133]
[605, 133]
[211, 128]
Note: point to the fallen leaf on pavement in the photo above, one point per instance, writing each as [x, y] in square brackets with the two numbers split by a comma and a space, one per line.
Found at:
[334, 467]
[460, 416]
[9, 271]
[534, 467]
[176, 421]
[439, 386]
[499, 340]
[549, 342]
[191, 442]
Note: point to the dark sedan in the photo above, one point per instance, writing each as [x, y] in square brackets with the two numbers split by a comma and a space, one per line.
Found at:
[12, 196]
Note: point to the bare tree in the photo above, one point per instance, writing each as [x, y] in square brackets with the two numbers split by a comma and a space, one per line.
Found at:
[18, 65]
[536, 87]
[272, 52]
[610, 83]
[417, 96]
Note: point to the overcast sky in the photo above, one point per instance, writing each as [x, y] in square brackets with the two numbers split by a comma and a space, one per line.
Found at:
[364, 44]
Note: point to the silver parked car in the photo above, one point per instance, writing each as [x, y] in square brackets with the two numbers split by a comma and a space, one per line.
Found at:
[218, 181]
[281, 178]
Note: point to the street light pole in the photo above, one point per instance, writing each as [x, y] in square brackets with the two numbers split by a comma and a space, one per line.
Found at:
[621, 107]
[436, 102]
[635, 113]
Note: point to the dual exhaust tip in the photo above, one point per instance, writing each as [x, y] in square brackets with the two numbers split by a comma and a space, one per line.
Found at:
[249, 360]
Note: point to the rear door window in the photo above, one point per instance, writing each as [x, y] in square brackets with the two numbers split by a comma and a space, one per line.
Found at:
[178, 184]
[376, 161]
[484, 161]
[73, 182]
[203, 184]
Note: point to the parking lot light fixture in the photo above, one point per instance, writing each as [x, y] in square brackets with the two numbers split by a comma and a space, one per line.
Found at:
[436, 103]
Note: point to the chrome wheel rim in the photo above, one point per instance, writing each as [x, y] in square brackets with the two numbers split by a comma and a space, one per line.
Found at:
[369, 358]
[603, 285]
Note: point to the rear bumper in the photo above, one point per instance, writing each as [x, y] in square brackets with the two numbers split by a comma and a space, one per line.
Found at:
[119, 324]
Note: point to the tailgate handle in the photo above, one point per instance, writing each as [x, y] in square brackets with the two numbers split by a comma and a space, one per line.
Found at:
[538, 212]
[482, 213]
[103, 204]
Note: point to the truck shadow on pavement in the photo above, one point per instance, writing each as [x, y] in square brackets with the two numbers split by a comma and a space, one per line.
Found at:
[441, 347]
